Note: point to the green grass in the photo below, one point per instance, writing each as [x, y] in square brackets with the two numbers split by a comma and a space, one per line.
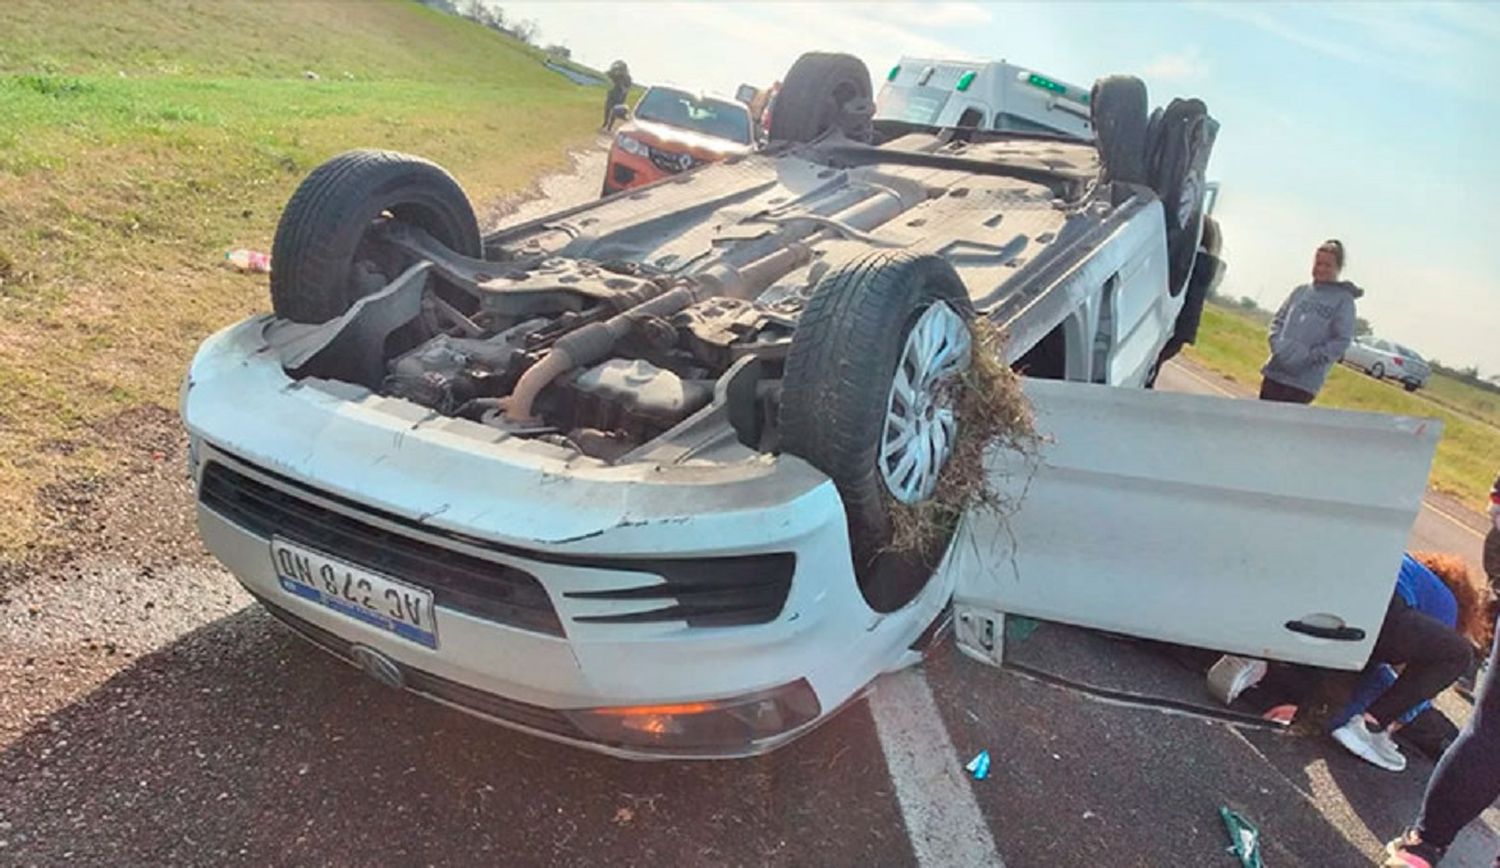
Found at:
[1459, 396]
[140, 139]
[1235, 346]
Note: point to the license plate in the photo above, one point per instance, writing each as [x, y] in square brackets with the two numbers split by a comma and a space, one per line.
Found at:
[355, 592]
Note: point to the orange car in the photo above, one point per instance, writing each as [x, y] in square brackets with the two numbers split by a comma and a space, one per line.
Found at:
[672, 131]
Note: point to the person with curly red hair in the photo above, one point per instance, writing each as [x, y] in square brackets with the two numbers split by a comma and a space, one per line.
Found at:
[1438, 616]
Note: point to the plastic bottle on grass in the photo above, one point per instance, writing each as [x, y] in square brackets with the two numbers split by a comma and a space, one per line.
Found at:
[249, 260]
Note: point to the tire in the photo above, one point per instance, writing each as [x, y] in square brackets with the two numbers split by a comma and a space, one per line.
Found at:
[1410, 387]
[1212, 238]
[1377, 371]
[1119, 115]
[323, 227]
[1176, 165]
[815, 93]
[837, 395]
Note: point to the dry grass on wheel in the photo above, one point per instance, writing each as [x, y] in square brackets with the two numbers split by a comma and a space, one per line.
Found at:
[993, 412]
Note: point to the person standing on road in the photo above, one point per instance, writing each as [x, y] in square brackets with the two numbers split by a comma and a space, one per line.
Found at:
[1465, 782]
[619, 88]
[1310, 331]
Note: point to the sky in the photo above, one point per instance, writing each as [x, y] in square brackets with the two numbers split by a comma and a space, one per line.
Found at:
[1377, 124]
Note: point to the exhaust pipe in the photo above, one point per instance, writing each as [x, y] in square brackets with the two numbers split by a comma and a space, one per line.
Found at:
[596, 341]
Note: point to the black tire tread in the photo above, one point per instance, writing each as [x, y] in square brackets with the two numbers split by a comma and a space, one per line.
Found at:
[1174, 160]
[835, 385]
[1119, 112]
[796, 116]
[311, 251]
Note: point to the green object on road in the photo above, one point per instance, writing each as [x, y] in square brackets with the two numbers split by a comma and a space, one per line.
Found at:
[1244, 838]
[1020, 629]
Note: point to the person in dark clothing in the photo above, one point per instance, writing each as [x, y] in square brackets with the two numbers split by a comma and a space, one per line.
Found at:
[1310, 331]
[1492, 540]
[1421, 634]
[619, 89]
[1465, 782]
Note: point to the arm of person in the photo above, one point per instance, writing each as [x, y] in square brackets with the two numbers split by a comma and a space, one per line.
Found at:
[1278, 322]
[1333, 349]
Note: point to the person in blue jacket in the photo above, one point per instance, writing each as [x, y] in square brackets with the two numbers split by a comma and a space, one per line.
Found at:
[1420, 635]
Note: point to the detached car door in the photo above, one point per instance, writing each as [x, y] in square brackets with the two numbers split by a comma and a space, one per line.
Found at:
[1269, 530]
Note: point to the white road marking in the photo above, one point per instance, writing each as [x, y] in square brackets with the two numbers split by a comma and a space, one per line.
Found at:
[943, 821]
[1453, 519]
[1194, 375]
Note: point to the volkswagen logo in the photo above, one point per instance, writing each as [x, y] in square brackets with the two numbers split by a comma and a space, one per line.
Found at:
[378, 666]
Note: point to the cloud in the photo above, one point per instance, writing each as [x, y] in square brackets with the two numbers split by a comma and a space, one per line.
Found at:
[719, 45]
[932, 15]
[1180, 66]
[1281, 27]
[1446, 45]
[769, 43]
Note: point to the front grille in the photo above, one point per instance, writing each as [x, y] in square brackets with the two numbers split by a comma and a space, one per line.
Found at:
[733, 591]
[462, 695]
[668, 161]
[483, 588]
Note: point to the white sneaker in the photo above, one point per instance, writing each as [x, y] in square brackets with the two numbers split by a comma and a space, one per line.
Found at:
[1356, 737]
[1232, 675]
[1387, 747]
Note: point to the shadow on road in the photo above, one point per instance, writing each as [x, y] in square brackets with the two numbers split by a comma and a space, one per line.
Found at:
[1077, 781]
[1368, 801]
[240, 743]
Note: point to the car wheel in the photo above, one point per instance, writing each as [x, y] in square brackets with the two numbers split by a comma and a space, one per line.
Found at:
[815, 95]
[1411, 387]
[323, 258]
[1176, 165]
[1377, 371]
[869, 398]
[1119, 114]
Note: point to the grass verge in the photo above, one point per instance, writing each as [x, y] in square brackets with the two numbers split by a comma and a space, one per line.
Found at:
[1235, 346]
[140, 140]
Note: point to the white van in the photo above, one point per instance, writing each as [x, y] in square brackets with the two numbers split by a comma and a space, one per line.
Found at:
[983, 95]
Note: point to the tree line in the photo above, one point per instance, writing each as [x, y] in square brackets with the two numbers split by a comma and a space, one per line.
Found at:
[493, 17]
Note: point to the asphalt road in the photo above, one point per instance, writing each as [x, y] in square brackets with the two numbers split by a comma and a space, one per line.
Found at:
[150, 714]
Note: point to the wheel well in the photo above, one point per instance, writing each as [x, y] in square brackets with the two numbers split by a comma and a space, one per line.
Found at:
[1048, 359]
[972, 117]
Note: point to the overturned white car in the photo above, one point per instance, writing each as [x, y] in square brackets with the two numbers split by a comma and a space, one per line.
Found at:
[623, 476]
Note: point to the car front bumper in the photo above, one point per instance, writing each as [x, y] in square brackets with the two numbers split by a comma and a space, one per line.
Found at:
[628, 171]
[594, 537]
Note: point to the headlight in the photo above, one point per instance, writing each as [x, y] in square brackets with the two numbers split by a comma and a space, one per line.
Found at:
[632, 146]
[724, 725]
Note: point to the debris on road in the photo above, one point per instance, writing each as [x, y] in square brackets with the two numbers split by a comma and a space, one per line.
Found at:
[1244, 838]
[1020, 628]
[979, 766]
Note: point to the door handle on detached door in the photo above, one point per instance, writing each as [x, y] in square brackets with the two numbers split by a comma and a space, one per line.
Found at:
[1337, 632]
